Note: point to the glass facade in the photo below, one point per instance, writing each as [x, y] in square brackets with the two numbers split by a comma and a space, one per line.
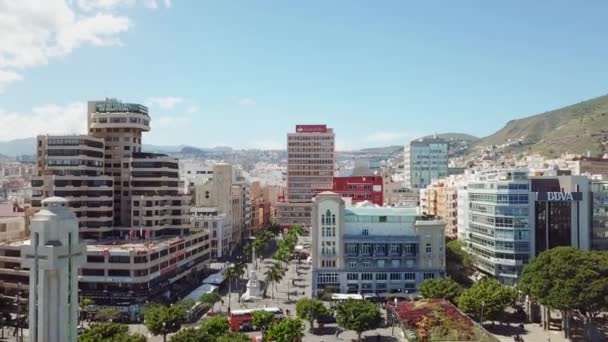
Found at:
[599, 229]
[498, 226]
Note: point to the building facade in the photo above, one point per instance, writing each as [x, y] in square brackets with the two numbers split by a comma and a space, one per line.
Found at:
[73, 167]
[129, 207]
[310, 169]
[439, 199]
[513, 217]
[599, 228]
[360, 188]
[370, 249]
[425, 160]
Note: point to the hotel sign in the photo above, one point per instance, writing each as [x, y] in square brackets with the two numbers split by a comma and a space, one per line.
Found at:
[560, 196]
[311, 128]
[114, 106]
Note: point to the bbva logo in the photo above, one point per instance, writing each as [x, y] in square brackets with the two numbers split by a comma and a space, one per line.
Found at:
[560, 196]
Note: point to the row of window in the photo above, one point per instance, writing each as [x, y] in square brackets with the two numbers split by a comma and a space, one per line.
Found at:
[499, 198]
[394, 263]
[333, 278]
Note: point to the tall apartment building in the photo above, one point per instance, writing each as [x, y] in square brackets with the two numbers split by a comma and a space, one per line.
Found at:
[439, 199]
[13, 280]
[120, 125]
[72, 166]
[128, 205]
[513, 217]
[370, 249]
[425, 160]
[310, 169]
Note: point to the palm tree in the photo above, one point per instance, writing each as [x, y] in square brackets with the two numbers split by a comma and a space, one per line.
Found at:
[274, 275]
[230, 274]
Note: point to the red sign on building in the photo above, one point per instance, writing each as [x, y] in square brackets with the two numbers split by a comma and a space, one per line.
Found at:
[311, 128]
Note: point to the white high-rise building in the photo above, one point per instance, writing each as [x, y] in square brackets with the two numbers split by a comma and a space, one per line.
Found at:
[54, 255]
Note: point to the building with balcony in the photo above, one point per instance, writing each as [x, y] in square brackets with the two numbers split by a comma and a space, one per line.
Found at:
[439, 199]
[72, 167]
[131, 213]
[371, 249]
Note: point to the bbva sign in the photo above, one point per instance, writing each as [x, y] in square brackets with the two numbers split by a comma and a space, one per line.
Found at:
[559, 196]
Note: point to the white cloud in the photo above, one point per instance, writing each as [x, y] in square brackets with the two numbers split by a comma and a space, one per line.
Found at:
[8, 77]
[167, 102]
[45, 119]
[247, 101]
[91, 5]
[391, 137]
[34, 32]
[267, 144]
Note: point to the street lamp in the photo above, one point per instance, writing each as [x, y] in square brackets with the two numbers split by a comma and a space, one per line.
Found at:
[481, 316]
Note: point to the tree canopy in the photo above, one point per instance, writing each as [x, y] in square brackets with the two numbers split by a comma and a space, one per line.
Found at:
[262, 319]
[440, 288]
[191, 335]
[486, 298]
[285, 330]
[109, 332]
[459, 263]
[310, 310]
[565, 278]
[163, 320]
[358, 315]
[215, 326]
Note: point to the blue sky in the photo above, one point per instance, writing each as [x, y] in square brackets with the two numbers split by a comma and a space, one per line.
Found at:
[243, 73]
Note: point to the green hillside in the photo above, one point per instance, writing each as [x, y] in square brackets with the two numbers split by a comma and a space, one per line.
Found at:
[577, 128]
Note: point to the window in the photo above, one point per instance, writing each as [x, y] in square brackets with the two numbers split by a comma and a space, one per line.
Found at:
[381, 276]
[327, 278]
[328, 263]
[382, 219]
[395, 276]
[95, 258]
[428, 248]
[366, 276]
[428, 275]
[380, 263]
[352, 276]
[119, 259]
[365, 232]
[92, 272]
[119, 273]
[352, 264]
[394, 249]
[409, 276]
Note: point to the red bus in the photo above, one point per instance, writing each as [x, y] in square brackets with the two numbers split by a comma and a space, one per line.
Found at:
[240, 320]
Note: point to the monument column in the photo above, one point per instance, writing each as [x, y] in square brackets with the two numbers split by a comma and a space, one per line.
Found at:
[53, 257]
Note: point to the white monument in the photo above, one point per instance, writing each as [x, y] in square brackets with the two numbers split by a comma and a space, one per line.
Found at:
[254, 290]
[53, 256]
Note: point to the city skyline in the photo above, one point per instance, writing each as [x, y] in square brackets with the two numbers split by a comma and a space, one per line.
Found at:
[233, 77]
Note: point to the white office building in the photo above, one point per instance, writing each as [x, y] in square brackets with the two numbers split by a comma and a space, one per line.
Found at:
[371, 249]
